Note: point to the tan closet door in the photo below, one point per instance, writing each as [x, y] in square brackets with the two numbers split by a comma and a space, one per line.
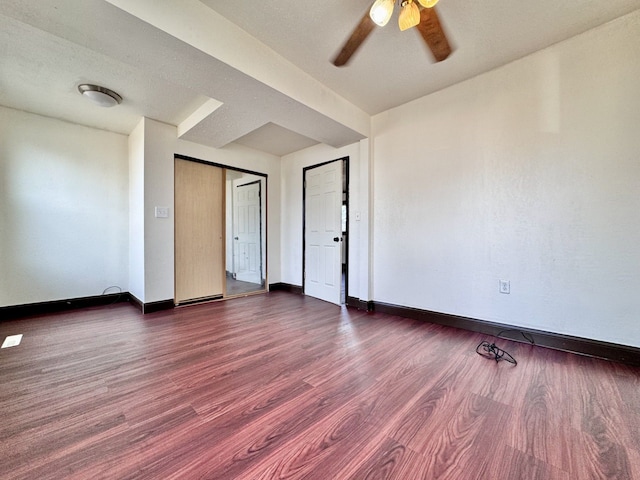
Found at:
[199, 246]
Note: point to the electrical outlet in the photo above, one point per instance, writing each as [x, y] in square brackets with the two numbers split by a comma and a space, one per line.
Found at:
[505, 286]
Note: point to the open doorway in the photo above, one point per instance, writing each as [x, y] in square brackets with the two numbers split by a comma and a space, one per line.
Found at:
[325, 230]
[245, 255]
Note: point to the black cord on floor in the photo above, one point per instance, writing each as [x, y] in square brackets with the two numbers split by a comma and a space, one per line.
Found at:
[490, 350]
[525, 335]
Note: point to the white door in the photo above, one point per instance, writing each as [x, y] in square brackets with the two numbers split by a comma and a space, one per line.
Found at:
[323, 232]
[247, 244]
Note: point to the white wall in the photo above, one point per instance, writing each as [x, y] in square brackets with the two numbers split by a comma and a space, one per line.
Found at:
[136, 211]
[528, 173]
[63, 209]
[77, 207]
[160, 146]
[292, 173]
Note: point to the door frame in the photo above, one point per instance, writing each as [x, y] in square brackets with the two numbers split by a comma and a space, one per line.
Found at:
[345, 192]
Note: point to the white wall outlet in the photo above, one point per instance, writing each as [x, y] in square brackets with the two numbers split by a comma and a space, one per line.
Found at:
[162, 212]
[505, 286]
[357, 216]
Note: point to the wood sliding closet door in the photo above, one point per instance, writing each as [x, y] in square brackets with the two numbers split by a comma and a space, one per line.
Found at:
[199, 227]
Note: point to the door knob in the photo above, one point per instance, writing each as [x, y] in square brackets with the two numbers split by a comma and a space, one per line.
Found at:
[336, 239]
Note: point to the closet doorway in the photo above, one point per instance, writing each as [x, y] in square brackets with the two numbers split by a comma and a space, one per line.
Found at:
[220, 231]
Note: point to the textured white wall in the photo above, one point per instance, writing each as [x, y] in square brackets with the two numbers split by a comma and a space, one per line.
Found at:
[528, 173]
[63, 209]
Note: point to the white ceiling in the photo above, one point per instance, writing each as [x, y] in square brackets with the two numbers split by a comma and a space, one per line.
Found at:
[273, 84]
[394, 67]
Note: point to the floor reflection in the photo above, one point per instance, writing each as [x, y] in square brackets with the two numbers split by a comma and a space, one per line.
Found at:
[237, 287]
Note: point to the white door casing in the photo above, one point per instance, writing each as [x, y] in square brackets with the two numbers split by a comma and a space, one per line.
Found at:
[323, 232]
[247, 238]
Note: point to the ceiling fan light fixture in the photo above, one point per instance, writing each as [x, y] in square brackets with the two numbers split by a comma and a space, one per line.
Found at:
[428, 3]
[381, 11]
[100, 95]
[409, 15]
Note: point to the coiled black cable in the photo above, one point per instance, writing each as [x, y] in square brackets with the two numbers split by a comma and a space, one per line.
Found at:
[490, 350]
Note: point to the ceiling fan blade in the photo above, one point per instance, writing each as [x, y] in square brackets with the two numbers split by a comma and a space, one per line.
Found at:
[433, 35]
[359, 35]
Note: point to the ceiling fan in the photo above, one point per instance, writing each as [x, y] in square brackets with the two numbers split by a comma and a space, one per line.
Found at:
[424, 17]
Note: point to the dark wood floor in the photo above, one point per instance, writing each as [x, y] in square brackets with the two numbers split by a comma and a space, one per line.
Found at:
[238, 287]
[283, 386]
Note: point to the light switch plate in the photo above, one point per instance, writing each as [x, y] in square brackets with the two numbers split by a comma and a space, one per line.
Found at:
[162, 212]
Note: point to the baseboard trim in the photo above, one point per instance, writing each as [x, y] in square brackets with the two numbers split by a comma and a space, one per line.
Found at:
[359, 304]
[582, 346]
[135, 301]
[198, 301]
[151, 306]
[43, 308]
[285, 287]
[158, 306]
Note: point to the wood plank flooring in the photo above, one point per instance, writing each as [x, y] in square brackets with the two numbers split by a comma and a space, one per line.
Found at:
[281, 386]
